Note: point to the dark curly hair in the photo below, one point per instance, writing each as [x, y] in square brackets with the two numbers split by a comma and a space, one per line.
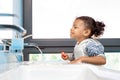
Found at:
[96, 27]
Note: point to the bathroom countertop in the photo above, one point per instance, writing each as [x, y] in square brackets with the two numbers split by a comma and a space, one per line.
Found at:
[56, 71]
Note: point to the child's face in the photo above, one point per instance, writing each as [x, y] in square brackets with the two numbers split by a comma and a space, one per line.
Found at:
[78, 30]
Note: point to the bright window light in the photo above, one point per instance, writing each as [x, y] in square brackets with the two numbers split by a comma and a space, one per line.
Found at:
[54, 18]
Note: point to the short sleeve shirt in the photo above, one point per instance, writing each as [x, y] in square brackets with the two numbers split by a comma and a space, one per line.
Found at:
[88, 47]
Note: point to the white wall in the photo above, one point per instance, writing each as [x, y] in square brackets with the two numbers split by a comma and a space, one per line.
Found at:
[6, 6]
[13, 16]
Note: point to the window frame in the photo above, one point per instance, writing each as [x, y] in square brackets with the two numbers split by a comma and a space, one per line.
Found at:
[57, 45]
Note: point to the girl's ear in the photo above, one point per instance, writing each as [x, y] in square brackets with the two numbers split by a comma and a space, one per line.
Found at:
[87, 32]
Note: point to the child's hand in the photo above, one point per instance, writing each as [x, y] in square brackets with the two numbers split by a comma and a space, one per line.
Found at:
[64, 56]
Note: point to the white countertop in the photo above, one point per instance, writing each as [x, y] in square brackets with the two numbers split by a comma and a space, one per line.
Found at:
[56, 71]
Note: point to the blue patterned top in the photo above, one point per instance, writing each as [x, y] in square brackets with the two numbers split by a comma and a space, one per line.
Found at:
[88, 47]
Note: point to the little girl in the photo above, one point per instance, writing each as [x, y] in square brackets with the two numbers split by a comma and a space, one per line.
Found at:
[87, 48]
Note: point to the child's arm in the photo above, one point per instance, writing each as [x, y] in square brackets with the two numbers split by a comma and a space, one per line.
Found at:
[97, 60]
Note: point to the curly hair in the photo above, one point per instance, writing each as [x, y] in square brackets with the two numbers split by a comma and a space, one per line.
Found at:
[96, 27]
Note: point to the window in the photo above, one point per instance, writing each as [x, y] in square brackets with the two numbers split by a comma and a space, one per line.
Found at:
[113, 60]
[54, 18]
[35, 17]
[42, 22]
[45, 57]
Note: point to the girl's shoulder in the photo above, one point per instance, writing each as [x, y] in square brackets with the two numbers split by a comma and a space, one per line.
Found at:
[91, 41]
[94, 47]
